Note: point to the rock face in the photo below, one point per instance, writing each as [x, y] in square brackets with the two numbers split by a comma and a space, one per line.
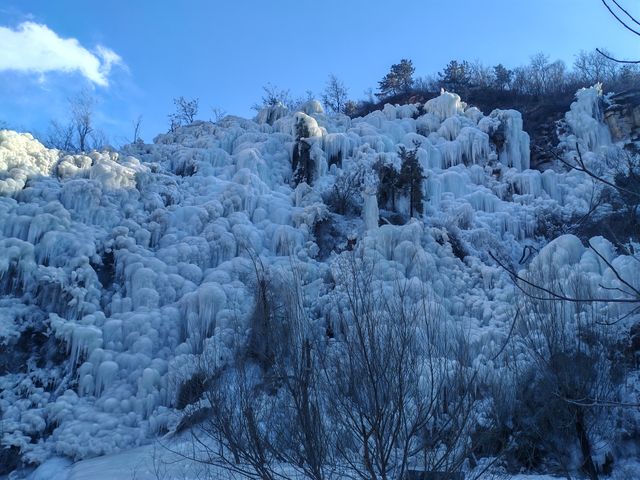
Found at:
[623, 115]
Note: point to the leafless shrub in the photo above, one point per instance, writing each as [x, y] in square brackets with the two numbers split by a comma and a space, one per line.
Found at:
[185, 112]
[393, 389]
[398, 388]
[344, 197]
[567, 384]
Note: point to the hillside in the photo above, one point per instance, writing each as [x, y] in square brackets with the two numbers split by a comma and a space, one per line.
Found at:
[127, 277]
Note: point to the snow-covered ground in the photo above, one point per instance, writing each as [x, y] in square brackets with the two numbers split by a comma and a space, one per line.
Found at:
[153, 462]
[144, 463]
[141, 261]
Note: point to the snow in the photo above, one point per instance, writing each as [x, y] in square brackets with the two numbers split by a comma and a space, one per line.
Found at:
[153, 461]
[141, 262]
[22, 157]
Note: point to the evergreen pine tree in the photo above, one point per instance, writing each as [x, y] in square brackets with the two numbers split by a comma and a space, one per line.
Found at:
[410, 179]
[502, 76]
[301, 163]
[398, 80]
[387, 185]
[456, 76]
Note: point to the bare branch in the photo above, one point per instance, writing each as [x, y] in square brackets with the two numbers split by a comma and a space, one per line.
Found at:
[555, 295]
[631, 17]
[622, 22]
[581, 167]
[137, 123]
[632, 62]
[615, 272]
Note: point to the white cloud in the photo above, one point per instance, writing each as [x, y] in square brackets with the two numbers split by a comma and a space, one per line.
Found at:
[35, 48]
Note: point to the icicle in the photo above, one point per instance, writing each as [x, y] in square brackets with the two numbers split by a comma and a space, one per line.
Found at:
[515, 151]
[107, 373]
[370, 211]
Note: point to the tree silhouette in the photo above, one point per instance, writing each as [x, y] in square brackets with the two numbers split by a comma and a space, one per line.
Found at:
[456, 75]
[398, 80]
[503, 76]
[334, 96]
[186, 111]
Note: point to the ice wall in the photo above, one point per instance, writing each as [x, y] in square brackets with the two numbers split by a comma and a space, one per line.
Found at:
[138, 263]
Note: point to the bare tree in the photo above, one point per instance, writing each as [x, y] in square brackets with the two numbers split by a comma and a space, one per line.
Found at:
[273, 96]
[556, 77]
[539, 70]
[305, 440]
[60, 136]
[593, 67]
[426, 83]
[185, 113]
[346, 192]
[81, 109]
[98, 140]
[217, 114]
[238, 433]
[78, 134]
[267, 409]
[480, 75]
[572, 377]
[137, 123]
[626, 186]
[391, 390]
[334, 96]
[396, 395]
[521, 80]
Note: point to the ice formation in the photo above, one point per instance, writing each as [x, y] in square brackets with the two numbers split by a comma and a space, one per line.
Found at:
[138, 262]
[585, 118]
[20, 158]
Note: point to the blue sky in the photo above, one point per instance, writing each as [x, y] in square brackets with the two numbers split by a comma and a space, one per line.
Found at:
[223, 52]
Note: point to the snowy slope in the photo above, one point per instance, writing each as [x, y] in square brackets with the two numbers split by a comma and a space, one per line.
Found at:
[119, 270]
[147, 463]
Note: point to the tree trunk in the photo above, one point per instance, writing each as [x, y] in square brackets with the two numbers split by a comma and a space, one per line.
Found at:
[585, 446]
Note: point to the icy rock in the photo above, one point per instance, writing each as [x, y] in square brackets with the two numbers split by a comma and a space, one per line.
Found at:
[444, 106]
[309, 123]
